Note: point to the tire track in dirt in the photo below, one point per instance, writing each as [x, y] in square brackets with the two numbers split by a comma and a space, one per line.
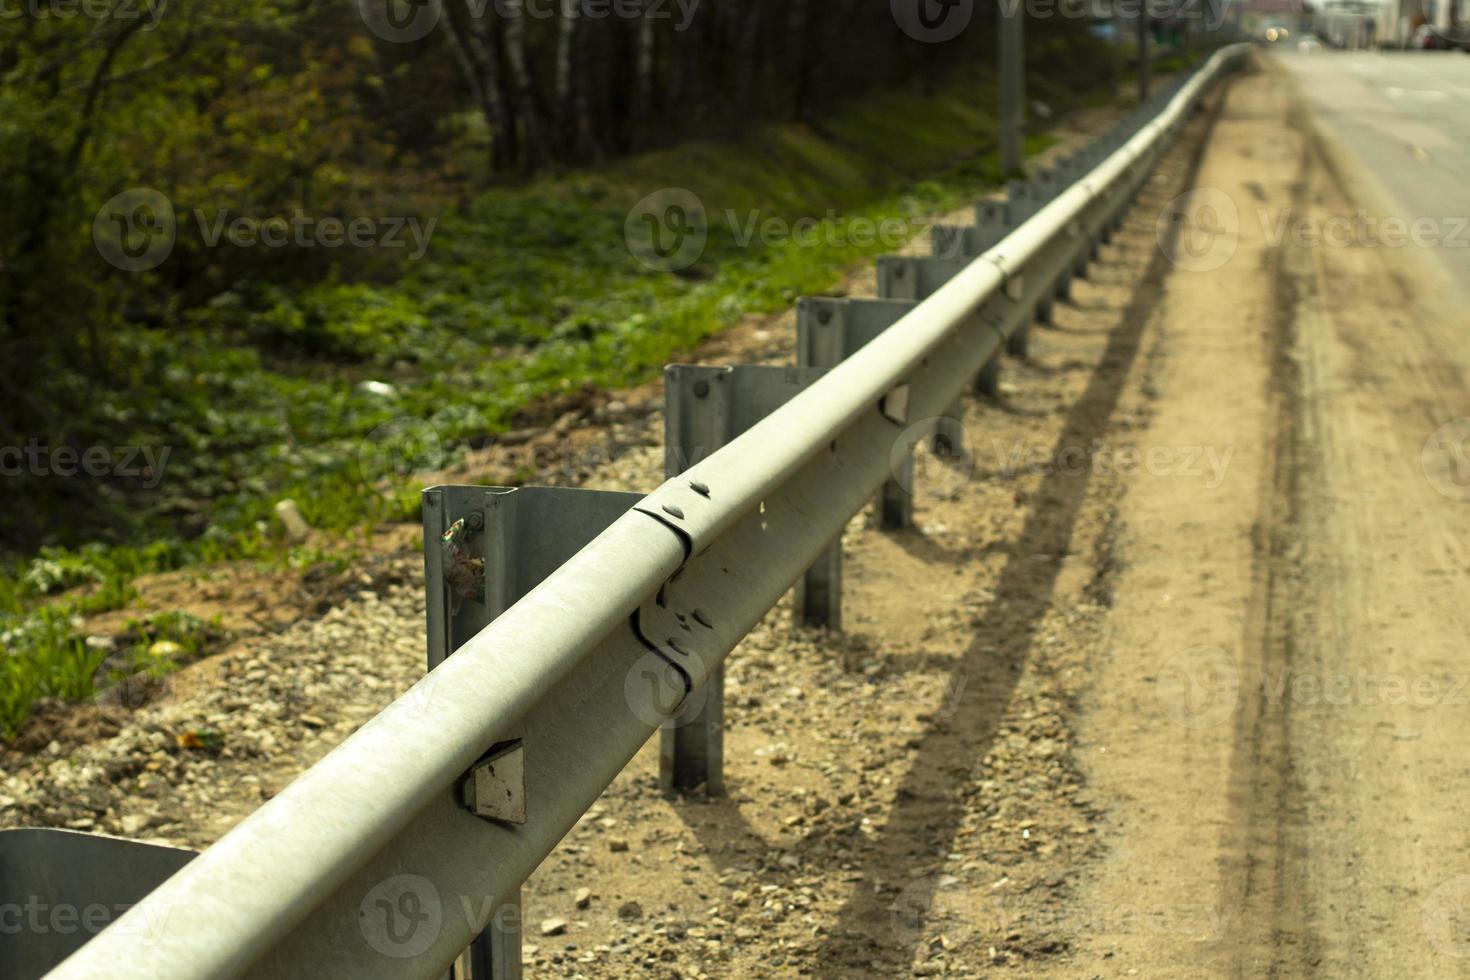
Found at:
[1276, 911]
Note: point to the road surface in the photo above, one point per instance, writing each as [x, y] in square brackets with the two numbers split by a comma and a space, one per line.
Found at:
[1281, 719]
[1404, 117]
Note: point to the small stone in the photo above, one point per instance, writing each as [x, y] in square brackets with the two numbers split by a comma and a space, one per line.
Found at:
[378, 389]
[617, 845]
[288, 512]
[312, 721]
[583, 897]
[630, 911]
[553, 927]
[134, 823]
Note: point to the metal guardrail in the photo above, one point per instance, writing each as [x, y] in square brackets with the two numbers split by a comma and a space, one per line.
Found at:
[550, 679]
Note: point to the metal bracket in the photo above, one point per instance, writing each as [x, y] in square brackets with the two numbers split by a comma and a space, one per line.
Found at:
[66, 869]
[895, 407]
[484, 549]
[916, 277]
[496, 787]
[707, 407]
[992, 224]
[828, 332]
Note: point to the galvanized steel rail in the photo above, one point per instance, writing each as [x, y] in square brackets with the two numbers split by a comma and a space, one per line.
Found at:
[671, 586]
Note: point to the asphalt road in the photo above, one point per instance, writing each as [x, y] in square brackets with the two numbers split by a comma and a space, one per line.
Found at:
[1405, 118]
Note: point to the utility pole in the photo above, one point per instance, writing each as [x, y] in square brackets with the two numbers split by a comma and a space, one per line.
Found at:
[1012, 85]
[1143, 58]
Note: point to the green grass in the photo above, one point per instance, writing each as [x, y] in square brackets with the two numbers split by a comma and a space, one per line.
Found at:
[525, 293]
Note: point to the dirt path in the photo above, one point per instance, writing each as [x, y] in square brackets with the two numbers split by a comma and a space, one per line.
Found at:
[1279, 721]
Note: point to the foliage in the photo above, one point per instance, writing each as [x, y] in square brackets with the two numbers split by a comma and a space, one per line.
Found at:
[244, 371]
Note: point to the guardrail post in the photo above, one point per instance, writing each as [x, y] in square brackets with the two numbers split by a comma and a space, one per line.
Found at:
[993, 222]
[1024, 199]
[830, 330]
[1044, 313]
[705, 408]
[915, 278]
[485, 548]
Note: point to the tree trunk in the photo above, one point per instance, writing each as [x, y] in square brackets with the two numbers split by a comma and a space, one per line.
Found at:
[537, 146]
[564, 83]
[480, 63]
[801, 57]
[575, 138]
[747, 63]
[644, 59]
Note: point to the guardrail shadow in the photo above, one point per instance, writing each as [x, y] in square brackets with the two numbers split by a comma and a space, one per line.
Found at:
[926, 813]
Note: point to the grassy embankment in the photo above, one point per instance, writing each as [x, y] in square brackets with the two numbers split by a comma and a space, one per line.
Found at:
[525, 292]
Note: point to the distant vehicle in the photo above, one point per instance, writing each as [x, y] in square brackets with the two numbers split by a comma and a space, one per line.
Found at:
[1428, 38]
[1459, 37]
[1273, 33]
[1309, 45]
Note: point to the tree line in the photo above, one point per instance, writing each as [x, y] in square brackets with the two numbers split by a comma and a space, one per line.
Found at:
[585, 79]
[265, 108]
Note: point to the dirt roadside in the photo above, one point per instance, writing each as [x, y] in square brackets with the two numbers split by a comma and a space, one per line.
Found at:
[1278, 717]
